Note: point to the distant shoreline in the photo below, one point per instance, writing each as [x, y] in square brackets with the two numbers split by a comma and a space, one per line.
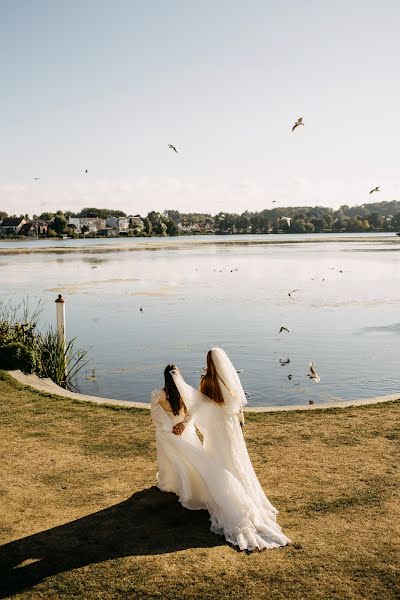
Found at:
[105, 245]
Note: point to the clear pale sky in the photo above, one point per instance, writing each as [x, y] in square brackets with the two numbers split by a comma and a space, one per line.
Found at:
[106, 85]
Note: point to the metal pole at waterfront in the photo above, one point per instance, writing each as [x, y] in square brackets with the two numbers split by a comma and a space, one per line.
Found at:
[60, 311]
[61, 332]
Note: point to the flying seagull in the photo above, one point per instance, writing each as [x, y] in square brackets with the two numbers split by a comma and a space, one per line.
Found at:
[284, 329]
[292, 292]
[313, 373]
[376, 189]
[172, 148]
[298, 123]
[287, 219]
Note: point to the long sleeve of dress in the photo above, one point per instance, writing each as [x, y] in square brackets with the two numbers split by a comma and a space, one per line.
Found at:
[158, 414]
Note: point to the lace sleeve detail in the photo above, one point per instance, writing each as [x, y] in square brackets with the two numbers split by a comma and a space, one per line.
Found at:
[156, 396]
[160, 418]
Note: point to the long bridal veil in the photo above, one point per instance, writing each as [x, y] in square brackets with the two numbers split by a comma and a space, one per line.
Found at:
[230, 385]
[223, 439]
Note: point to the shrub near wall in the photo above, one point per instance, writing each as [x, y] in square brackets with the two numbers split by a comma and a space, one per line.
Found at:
[23, 346]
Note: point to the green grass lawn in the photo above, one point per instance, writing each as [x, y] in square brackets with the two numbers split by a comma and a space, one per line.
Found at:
[81, 517]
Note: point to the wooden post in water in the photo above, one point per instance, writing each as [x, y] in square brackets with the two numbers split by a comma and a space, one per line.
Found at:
[60, 314]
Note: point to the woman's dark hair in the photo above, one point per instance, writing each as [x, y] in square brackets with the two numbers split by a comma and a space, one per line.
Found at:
[171, 391]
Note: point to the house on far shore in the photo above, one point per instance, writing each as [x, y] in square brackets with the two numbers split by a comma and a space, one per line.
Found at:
[120, 223]
[135, 222]
[12, 225]
[125, 223]
[91, 225]
[187, 227]
[34, 228]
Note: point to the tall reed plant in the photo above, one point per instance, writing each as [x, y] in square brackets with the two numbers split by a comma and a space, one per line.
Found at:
[60, 362]
[23, 346]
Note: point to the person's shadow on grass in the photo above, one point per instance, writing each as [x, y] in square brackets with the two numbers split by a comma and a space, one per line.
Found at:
[150, 522]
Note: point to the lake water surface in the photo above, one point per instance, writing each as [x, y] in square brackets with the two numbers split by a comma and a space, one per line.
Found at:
[231, 291]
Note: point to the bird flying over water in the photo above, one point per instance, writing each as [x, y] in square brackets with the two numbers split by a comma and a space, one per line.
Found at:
[287, 219]
[376, 189]
[284, 329]
[298, 123]
[292, 292]
[313, 373]
[172, 148]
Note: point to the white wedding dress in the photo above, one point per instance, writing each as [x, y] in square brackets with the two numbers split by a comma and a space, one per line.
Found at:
[220, 426]
[178, 455]
[201, 482]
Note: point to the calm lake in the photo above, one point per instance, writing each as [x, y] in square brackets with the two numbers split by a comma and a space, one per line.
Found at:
[231, 291]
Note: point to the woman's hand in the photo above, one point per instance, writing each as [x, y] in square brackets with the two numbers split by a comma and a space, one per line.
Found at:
[178, 428]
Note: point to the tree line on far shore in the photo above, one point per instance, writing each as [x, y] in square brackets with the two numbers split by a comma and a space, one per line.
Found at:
[376, 216]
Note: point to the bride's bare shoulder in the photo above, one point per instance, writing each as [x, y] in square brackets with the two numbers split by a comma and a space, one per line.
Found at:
[159, 397]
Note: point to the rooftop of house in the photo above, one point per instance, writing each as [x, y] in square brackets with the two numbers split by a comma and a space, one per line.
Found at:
[11, 221]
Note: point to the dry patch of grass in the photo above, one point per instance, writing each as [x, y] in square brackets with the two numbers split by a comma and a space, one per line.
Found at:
[81, 518]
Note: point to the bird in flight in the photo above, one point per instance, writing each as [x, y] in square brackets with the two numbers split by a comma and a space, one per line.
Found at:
[86, 171]
[273, 201]
[172, 148]
[287, 219]
[292, 292]
[36, 178]
[141, 309]
[284, 329]
[376, 189]
[298, 123]
[313, 373]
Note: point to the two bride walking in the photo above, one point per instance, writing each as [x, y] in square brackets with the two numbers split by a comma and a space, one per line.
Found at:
[216, 475]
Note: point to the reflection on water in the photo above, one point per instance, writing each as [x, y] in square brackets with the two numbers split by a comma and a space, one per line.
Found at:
[195, 293]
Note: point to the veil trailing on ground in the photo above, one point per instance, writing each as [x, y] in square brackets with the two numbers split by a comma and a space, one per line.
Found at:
[228, 378]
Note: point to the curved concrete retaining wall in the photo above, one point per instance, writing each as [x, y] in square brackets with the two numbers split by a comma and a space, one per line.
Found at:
[48, 386]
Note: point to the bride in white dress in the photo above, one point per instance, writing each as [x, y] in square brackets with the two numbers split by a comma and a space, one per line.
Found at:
[224, 441]
[199, 481]
[178, 446]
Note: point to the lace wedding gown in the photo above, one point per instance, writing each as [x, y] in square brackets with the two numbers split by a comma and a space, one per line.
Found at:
[177, 455]
[201, 482]
[220, 426]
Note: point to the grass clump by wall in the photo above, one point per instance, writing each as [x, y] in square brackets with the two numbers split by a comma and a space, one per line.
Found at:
[24, 346]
